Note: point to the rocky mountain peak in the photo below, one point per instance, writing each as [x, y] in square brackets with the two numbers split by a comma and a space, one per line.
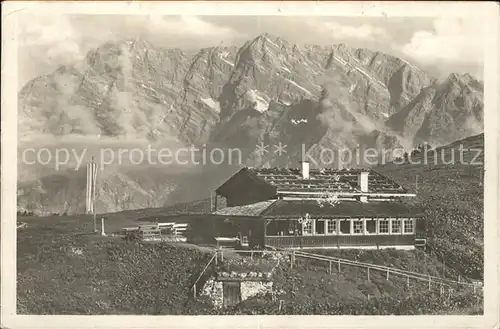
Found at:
[267, 91]
[136, 89]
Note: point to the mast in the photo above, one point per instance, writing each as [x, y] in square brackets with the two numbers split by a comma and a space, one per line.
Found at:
[91, 190]
[94, 193]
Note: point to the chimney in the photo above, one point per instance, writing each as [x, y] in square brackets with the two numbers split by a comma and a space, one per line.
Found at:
[363, 184]
[304, 169]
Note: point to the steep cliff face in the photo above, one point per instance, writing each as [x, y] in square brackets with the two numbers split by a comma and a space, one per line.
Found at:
[442, 112]
[129, 89]
[269, 91]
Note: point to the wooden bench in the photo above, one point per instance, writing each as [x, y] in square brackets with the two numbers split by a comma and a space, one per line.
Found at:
[130, 229]
[227, 242]
[179, 228]
[150, 231]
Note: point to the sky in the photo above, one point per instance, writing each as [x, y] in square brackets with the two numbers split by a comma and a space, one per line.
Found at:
[440, 45]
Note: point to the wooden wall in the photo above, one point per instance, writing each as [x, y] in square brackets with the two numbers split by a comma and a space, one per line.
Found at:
[203, 231]
[339, 241]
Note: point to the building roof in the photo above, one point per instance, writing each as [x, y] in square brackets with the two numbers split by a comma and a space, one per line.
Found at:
[249, 210]
[290, 180]
[344, 209]
[292, 208]
[323, 180]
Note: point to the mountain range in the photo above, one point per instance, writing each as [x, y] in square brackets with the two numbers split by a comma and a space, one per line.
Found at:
[268, 91]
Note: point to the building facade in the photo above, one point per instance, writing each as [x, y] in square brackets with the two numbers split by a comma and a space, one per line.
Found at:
[319, 208]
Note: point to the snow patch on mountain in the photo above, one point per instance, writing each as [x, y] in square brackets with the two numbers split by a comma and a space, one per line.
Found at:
[214, 105]
[298, 86]
[286, 69]
[228, 62]
[272, 43]
[370, 77]
[340, 60]
[259, 103]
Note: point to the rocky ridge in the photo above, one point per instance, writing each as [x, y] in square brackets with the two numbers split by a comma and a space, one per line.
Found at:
[268, 91]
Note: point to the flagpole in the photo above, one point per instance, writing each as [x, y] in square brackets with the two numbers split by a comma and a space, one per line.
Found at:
[94, 184]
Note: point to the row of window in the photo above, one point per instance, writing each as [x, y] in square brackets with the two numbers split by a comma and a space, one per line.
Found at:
[346, 226]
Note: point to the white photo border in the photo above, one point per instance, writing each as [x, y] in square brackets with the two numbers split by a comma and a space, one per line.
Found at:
[488, 11]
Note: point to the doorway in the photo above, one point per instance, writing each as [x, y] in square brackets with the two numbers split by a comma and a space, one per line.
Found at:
[231, 293]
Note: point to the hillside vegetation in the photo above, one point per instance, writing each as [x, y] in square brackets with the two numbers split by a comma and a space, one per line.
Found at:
[452, 196]
[64, 270]
[132, 93]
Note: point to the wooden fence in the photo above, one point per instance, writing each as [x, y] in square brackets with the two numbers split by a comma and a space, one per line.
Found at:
[331, 261]
[338, 262]
[388, 270]
[214, 257]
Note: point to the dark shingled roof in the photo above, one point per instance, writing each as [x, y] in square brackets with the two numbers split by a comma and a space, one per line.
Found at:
[250, 210]
[291, 208]
[325, 180]
[294, 208]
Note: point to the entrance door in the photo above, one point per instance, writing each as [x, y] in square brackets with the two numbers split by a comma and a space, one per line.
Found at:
[232, 293]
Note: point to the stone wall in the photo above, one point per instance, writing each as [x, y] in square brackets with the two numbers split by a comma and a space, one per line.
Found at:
[252, 288]
[213, 289]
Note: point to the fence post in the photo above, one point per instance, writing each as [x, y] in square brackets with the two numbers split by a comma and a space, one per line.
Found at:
[387, 276]
[194, 290]
[330, 267]
[429, 282]
[368, 274]
[221, 255]
[338, 265]
[408, 281]
[216, 252]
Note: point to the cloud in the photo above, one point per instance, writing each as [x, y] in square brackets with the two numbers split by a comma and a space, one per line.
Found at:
[188, 26]
[44, 29]
[452, 39]
[49, 41]
[341, 31]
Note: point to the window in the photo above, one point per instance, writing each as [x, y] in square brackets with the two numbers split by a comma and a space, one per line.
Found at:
[371, 226]
[357, 227]
[331, 227]
[408, 226]
[307, 230]
[320, 226]
[396, 226]
[383, 226]
[345, 226]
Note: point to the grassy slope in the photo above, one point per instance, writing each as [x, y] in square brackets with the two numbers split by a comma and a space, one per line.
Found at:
[63, 269]
[63, 273]
[452, 196]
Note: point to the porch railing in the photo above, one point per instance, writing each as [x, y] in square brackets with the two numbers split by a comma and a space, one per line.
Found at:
[388, 270]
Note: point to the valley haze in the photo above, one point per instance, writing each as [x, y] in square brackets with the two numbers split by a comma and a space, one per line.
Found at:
[266, 162]
[328, 101]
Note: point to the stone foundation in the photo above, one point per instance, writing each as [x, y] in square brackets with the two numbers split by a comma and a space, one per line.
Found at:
[250, 285]
[253, 288]
[214, 291]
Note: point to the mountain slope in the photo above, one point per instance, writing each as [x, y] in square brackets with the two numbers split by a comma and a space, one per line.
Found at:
[59, 264]
[270, 91]
[442, 112]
